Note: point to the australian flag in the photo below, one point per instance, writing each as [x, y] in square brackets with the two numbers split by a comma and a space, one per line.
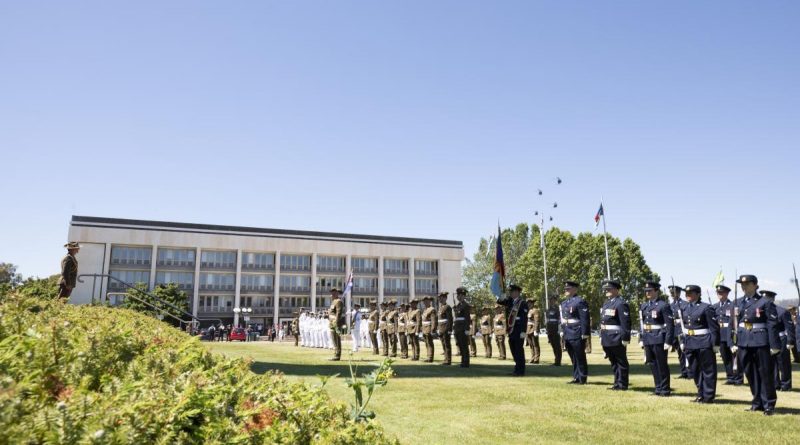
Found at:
[598, 216]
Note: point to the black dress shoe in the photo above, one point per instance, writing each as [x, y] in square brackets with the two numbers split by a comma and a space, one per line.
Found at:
[728, 382]
[572, 382]
[706, 401]
[334, 359]
[697, 400]
[464, 366]
[613, 388]
[753, 408]
[664, 394]
[768, 412]
[556, 364]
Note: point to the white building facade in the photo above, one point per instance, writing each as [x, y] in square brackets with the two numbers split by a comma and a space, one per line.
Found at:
[273, 272]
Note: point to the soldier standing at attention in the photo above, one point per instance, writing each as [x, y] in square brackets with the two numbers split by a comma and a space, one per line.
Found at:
[69, 271]
[517, 310]
[296, 328]
[382, 330]
[486, 331]
[576, 331]
[391, 327]
[372, 324]
[701, 343]
[428, 327]
[337, 323]
[757, 340]
[461, 325]
[414, 328]
[532, 332]
[552, 323]
[724, 308]
[783, 360]
[656, 336]
[500, 330]
[473, 329]
[402, 322]
[677, 307]
[445, 327]
[615, 333]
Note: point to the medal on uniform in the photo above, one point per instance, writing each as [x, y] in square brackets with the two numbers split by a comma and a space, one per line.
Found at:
[654, 314]
[758, 312]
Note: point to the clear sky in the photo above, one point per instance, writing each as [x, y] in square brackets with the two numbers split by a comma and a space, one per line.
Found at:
[429, 119]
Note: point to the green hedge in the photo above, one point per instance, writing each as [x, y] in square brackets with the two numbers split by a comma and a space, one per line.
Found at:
[89, 374]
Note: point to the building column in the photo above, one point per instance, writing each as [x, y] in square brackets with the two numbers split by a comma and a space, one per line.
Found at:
[412, 285]
[380, 279]
[153, 257]
[277, 286]
[106, 271]
[238, 291]
[196, 286]
[313, 282]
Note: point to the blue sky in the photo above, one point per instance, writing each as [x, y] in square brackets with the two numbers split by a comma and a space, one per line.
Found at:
[429, 119]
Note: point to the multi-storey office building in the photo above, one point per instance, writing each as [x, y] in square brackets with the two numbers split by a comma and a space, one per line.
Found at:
[271, 271]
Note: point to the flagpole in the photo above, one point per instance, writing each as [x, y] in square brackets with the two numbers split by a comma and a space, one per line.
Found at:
[605, 239]
[544, 261]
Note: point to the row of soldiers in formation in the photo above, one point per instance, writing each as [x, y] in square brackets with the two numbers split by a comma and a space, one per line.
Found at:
[753, 336]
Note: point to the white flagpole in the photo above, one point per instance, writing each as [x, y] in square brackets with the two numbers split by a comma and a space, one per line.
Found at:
[605, 238]
[544, 261]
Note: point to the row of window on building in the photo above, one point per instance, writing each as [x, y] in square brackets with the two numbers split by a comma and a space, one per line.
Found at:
[225, 259]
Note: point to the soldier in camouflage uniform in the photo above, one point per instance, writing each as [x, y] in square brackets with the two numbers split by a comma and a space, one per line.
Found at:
[382, 330]
[336, 322]
[532, 332]
[487, 328]
[374, 316]
[414, 328]
[473, 329]
[402, 320]
[428, 326]
[500, 330]
[69, 271]
[391, 327]
[296, 328]
[445, 327]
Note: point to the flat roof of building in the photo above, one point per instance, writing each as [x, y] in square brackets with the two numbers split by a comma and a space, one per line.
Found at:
[139, 224]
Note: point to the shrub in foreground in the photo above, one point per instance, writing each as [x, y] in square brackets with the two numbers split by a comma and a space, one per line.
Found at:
[89, 374]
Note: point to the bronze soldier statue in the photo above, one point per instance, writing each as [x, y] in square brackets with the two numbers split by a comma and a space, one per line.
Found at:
[69, 271]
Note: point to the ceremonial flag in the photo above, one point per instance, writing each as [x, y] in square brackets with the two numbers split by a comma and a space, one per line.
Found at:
[349, 286]
[720, 278]
[498, 285]
[598, 216]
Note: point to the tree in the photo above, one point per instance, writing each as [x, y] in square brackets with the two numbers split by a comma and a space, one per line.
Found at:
[169, 293]
[40, 287]
[9, 275]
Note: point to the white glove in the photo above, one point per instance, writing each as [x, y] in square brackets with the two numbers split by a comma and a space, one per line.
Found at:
[716, 349]
[625, 343]
[681, 346]
[666, 347]
[734, 348]
[774, 351]
[641, 345]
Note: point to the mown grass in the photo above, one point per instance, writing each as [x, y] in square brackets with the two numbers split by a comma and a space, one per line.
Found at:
[432, 404]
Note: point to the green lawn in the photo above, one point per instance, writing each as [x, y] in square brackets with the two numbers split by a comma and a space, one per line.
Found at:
[432, 404]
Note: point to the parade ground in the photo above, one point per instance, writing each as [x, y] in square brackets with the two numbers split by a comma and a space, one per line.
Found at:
[433, 404]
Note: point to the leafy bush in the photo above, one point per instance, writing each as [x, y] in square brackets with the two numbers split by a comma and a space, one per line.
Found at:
[92, 374]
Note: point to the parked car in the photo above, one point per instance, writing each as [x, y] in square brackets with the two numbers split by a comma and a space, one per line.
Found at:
[238, 334]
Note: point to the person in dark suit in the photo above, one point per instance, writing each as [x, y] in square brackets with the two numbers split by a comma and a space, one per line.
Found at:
[701, 343]
[658, 330]
[576, 331]
[69, 271]
[462, 321]
[517, 316]
[615, 333]
[757, 340]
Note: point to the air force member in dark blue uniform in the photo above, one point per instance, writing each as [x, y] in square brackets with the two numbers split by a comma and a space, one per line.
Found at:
[677, 306]
[783, 360]
[658, 331]
[517, 316]
[701, 343]
[576, 331]
[724, 309]
[757, 340]
[615, 333]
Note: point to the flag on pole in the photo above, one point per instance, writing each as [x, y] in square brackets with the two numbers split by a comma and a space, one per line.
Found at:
[598, 216]
[498, 285]
[349, 286]
[719, 279]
